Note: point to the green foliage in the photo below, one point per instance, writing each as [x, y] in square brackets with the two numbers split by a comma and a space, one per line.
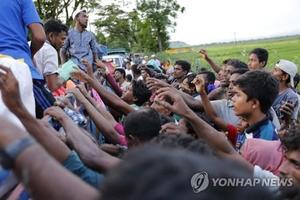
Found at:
[62, 9]
[144, 28]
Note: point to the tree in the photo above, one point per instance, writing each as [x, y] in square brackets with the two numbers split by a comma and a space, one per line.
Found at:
[144, 28]
[160, 14]
[62, 9]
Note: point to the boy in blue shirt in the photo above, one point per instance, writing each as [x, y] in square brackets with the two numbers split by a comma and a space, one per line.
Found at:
[254, 94]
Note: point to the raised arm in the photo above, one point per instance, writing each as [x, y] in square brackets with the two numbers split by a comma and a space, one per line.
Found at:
[213, 65]
[43, 134]
[209, 110]
[215, 139]
[104, 126]
[32, 163]
[108, 98]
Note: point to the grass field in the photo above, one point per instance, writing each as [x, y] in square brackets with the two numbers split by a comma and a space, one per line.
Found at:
[279, 48]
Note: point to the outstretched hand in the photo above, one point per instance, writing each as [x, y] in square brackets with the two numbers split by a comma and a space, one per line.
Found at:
[81, 76]
[177, 104]
[199, 82]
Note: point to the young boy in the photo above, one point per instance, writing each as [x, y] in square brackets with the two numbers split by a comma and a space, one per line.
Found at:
[255, 92]
[258, 58]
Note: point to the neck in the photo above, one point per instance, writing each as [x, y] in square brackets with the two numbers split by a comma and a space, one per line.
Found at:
[255, 117]
[121, 80]
[79, 28]
[282, 87]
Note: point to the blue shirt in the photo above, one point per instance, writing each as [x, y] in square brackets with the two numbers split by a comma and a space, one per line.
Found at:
[264, 129]
[80, 45]
[75, 165]
[15, 16]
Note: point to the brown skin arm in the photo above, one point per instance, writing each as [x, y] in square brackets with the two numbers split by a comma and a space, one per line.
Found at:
[38, 37]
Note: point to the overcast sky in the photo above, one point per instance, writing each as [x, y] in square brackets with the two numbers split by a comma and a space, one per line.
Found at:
[206, 21]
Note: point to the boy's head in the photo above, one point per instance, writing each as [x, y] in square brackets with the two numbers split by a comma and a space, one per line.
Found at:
[235, 74]
[181, 69]
[231, 65]
[285, 72]
[119, 74]
[137, 93]
[254, 90]
[141, 126]
[56, 33]
[291, 144]
[258, 58]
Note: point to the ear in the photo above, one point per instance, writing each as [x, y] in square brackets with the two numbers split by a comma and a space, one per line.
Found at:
[262, 63]
[285, 77]
[133, 140]
[51, 36]
[134, 99]
[255, 104]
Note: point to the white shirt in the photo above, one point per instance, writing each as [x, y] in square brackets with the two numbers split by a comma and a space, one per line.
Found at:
[46, 59]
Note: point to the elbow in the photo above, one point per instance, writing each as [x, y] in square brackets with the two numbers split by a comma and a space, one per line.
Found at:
[39, 39]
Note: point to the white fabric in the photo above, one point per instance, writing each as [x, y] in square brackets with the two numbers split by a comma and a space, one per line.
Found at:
[46, 60]
[22, 73]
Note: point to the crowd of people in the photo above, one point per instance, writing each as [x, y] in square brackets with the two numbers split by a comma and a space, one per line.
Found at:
[75, 127]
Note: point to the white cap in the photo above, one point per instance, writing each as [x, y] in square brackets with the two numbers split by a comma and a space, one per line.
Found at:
[288, 67]
[77, 12]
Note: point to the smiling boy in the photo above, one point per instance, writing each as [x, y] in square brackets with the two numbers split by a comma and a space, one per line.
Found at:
[255, 91]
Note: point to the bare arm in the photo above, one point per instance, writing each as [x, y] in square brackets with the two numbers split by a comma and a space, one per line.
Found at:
[38, 37]
[213, 65]
[209, 110]
[104, 126]
[108, 98]
[28, 165]
[215, 139]
[44, 135]
[88, 150]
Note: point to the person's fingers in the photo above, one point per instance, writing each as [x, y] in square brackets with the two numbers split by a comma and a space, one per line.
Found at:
[165, 104]
[5, 69]
[162, 90]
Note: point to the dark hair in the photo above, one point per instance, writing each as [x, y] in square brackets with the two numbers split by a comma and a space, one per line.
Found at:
[140, 92]
[259, 85]
[237, 64]
[148, 70]
[153, 173]
[122, 71]
[186, 66]
[129, 77]
[190, 78]
[211, 77]
[239, 71]
[291, 140]
[184, 141]
[226, 61]
[143, 124]
[55, 26]
[296, 80]
[262, 55]
[135, 70]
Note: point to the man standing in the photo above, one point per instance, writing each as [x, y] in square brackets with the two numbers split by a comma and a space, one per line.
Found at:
[16, 18]
[80, 43]
[46, 59]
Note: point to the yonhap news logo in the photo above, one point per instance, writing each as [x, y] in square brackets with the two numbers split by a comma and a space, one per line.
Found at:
[200, 182]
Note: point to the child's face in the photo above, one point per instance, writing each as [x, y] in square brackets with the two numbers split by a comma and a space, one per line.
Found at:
[241, 106]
